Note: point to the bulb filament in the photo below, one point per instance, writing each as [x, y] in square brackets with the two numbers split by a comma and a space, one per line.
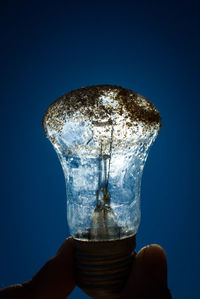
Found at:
[104, 221]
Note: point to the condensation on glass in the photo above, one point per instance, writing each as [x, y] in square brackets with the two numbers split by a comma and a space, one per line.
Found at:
[102, 135]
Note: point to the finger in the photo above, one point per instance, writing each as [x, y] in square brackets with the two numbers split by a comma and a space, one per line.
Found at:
[56, 278]
[14, 292]
[148, 278]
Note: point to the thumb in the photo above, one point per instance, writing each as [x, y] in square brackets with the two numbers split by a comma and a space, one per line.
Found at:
[148, 278]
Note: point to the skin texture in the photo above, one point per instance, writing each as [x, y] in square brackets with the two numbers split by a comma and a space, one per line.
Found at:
[148, 278]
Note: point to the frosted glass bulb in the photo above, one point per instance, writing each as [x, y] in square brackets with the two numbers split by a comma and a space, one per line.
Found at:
[102, 135]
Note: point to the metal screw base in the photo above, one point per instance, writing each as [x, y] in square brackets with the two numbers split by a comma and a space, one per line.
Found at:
[102, 267]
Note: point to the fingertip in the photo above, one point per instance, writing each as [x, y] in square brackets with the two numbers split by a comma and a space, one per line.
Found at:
[67, 246]
[56, 278]
[153, 261]
[153, 252]
[148, 274]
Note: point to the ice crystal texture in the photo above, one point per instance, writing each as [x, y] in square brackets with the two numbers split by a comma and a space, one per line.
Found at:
[102, 135]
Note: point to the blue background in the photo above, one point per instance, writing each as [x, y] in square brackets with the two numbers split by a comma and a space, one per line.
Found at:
[50, 48]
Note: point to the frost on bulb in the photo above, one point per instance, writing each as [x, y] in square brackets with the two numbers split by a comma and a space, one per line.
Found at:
[102, 135]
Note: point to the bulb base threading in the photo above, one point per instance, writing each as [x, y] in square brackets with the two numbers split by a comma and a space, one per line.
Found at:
[102, 267]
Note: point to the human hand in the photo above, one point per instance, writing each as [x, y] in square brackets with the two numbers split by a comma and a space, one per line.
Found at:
[148, 278]
[54, 281]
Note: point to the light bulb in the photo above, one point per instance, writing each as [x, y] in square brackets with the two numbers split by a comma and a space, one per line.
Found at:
[102, 135]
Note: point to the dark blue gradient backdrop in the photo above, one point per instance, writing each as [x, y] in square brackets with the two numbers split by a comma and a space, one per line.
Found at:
[50, 48]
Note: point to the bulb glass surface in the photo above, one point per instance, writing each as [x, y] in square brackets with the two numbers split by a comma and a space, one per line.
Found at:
[102, 135]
